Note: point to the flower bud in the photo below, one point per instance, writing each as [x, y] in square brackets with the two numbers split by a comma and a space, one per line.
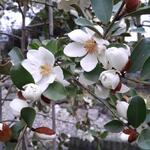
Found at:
[31, 92]
[122, 108]
[45, 133]
[16, 105]
[110, 79]
[117, 57]
[5, 132]
[132, 5]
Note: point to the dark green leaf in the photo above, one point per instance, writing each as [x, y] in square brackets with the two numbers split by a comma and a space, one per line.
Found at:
[144, 139]
[20, 76]
[78, 9]
[55, 92]
[136, 111]
[102, 9]
[28, 115]
[141, 11]
[145, 74]
[35, 44]
[94, 74]
[16, 55]
[114, 126]
[5, 68]
[86, 23]
[140, 54]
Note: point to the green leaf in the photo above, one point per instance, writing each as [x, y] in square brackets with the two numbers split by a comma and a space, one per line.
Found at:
[136, 113]
[145, 74]
[141, 11]
[52, 46]
[94, 74]
[114, 126]
[16, 128]
[140, 54]
[86, 23]
[20, 76]
[102, 9]
[5, 68]
[144, 139]
[16, 55]
[55, 92]
[78, 9]
[28, 115]
[35, 44]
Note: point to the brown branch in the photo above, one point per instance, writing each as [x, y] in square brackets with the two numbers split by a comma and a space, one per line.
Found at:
[11, 35]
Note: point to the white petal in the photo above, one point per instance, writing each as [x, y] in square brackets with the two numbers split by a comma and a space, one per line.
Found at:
[33, 69]
[45, 81]
[46, 56]
[101, 41]
[124, 89]
[101, 92]
[84, 80]
[75, 50]
[124, 137]
[89, 62]
[60, 76]
[16, 105]
[79, 35]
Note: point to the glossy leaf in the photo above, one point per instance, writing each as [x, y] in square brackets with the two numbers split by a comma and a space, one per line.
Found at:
[140, 54]
[102, 9]
[144, 139]
[20, 76]
[145, 74]
[16, 55]
[5, 68]
[141, 11]
[136, 112]
[94, 74]
[35, 44]
[55, 92]
[52, 46]
[28, 115]
[114, 126]
[86, 23]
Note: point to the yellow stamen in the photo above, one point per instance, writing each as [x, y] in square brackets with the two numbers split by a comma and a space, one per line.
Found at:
[45, 69]
[90, 46]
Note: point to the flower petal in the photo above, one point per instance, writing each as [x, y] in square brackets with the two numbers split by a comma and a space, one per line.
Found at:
[60, 76]
[89, 62]
[75, 50]
[124, 89]
[46, 56]
[101, 92]
[79, 35]
[33, 69]
[45, 81]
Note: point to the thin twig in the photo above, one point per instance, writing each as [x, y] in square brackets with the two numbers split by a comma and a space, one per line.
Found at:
[114, 19]
[11, 35]
[20, 137]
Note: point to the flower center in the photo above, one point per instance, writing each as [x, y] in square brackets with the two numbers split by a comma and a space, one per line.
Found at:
[90, 46]
[45, 69]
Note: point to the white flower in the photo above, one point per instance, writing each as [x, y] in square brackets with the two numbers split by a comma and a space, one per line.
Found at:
[88, 100]
[122, 108]
[101, 92]
[40, 64]
[85, 135]
[111, 80]
[124, 137]
[86, 44]
[16, 105]
[31, 92]
[118, 57]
